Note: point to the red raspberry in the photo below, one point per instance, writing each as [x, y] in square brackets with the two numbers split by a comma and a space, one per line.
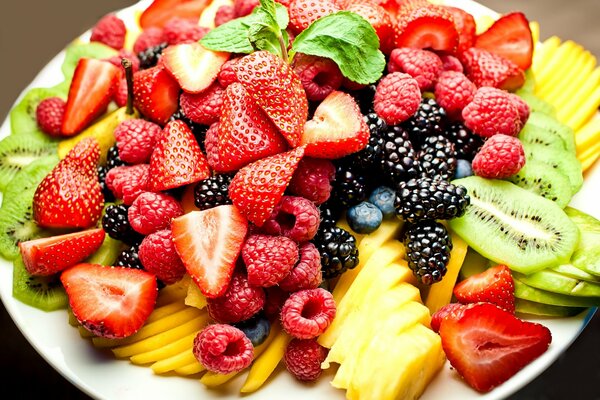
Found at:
[522, 107]
[451, 63]
[284, 2]
[397, 98]
[211, 143]
[295, 217]
[492, 111]
[422, 65]
[127, 182]
[239, 303]
[120, 96]
[308, 313]
[158, 256]
[123, 53]
[501, 156]
[183, 30]
[244, 7]
[319, 76]
[305, 12]
[152, 212]
[351, 85]
[276, 297]
[223, 15]
[223, 349]
[150, 37]
[488, 69]
[453, 91]
[269, 259]
[312, 179]
[50, 113]
[303, 358]
[110, 30]
[227, 75]
[306, 274]
[136, 139]
[204, 107]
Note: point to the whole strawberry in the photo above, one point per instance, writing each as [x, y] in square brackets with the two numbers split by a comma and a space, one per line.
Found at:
[70, 195]
[305, 12]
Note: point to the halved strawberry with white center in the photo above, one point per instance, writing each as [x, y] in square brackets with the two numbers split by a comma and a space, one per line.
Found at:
[426, 26]
[47, 256]
[162, 11]
[337, 128]
[112, 302]
[209, 242]
[193, 66]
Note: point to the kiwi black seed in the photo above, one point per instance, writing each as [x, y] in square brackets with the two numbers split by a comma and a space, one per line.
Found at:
[17, 152]
[544, 180]
[43, 292]
[551, 126]
[561, 161]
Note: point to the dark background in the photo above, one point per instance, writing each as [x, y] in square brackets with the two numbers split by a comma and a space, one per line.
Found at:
[33, 31]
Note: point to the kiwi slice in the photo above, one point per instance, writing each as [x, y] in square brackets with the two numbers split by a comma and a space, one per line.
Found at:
[526, 292]
[22, 117]
[43, 292]
[536, 135]
[513, 226]
[17, 152]
[16, 222]
[557, 283]
[529, 84]
[536, 104]
[587, 254]
[107, 253]
[545, 310]
[542, 179]
[77, 50]
[560, 160]
[576, 273]
[552, 126]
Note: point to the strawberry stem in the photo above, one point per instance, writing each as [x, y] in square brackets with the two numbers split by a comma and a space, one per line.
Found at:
[283, 46]
[129, 77]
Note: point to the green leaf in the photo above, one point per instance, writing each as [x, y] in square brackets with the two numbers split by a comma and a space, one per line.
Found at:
[231, 37]
[349, 40]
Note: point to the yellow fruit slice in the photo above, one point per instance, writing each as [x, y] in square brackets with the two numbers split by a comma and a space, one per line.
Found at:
[207, 18]
[174, 362]
[190, 369]
[589, 157]
[555, 63]
[194, 297]
[588, 108]
[483, 22]
[133, 30]
[166, 351]
[543, 51]
[575, 55]
[574, 102]
[588, 135]
[173, 293]
[165, 311]
[534, 26]
[581, 69]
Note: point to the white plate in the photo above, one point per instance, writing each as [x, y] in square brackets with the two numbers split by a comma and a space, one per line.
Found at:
[100, 375]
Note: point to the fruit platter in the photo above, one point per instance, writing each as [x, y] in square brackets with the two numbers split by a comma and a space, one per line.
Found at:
[371, 199]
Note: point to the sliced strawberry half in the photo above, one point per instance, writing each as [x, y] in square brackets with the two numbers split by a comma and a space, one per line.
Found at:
[487, 345]
[494, 285]
[156, 94]
[337, 128]
[161, 11]
[111, 302]
[209, 242]
[484, 68]
[177, 159]
[193, 66]
[426, 26]
[92, 88]
[47, 256]
[509, 37]
[465, 26]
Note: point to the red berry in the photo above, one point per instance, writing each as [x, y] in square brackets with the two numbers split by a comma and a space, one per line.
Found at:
[276, 297]
[50, 114]
[303, 359]
[397, 98]
[183, 30]
[268, 259]
[500, 157]
[449, 311]
[158, 256]
[423, 65]
[294, 217]
[227, 75]
[453, 91]
[492, 112]
[204, 107]
[426, 26]
[465, 26]
[308, 313]
[239, 303]
[451, 63]
[488, 69]
[156, 94]
[123, 53]
[121, 93]
[312, 179]
[379, 19]
[244, 7]
[223, 349]
[494, 285]
[110, 30]
[306, 274]
[128, 182]
[136, 139]
[305, 12]
[151, 212]
[319, 76]
[150, 37]
[224, 14]
[522, 107]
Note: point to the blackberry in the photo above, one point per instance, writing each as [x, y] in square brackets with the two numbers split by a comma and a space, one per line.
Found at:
[364, 98]
[349, 187]
[338, 250]
[112, 158]
[368, 157]
[330, 214]
[427, 121]
[212, 192]
[108, 194]
[129, 258]
[116, 224]
[437, 157]
[198, 130]
[149, 57]
[427, 198]
[399, 158]
[466, 143]
[428, 246]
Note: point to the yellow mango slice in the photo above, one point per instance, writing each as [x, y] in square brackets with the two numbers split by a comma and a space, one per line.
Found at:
[174, 362]
[194, 297]
[166, 351]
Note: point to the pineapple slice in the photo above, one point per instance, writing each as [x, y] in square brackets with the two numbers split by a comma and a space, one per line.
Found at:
[194, 297]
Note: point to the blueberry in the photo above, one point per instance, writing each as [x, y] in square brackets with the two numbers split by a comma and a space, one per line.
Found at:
[256, 328]
[383, 197]
[463, 169]
[364, 217]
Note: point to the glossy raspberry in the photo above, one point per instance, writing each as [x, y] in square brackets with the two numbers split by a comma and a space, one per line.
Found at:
[239, 303]
[127, 182]
[451, 63]
[397, 98]
[276, 297]
[136, 138]
[204, 107]
[312, 179]
[308, 313]
[269, 259]
[150, 37]
[50, 114]
[244, 7]
[223, 349]
[151, 212]
[492, 112]
[319, 76]
[182, 30]
[110, 30]
[303, 359]
[295, 217]
[224, 14]
[453, 91]
[306, 274]
[158, 256]
[423, 65]
[304, 12]
[501, 156]
[522, 107]
[227, 75]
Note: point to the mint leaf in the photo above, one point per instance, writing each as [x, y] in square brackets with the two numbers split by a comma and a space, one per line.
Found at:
[349, 40]
[231, 37]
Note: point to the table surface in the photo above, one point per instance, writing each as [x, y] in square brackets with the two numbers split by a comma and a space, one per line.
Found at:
[33, 31]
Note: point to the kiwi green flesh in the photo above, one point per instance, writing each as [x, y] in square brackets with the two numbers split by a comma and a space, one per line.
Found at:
[529, 84]
[17, 152]
[575, 273]
[22, 117]
[542, 179]
[536, 135]
[560, 160]
[527, 292]
[551, 125]
[558, 283]
[75, 51]
[536, 104]
[510, 225]
[107, 253]
[44, 293]
[587, 254]
[474, 263]
[544, 310]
